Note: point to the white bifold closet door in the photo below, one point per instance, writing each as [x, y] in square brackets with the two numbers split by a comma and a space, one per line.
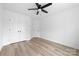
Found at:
[16, 27]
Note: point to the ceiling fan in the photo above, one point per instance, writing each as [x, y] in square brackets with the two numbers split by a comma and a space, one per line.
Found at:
[41, 8]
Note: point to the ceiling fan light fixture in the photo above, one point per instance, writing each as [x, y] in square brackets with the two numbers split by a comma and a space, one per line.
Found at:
[39, 9]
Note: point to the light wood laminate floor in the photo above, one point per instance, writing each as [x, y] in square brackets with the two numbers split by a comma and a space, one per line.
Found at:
[37, 47]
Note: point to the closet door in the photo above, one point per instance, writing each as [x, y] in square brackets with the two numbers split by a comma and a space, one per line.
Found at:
[22, 29]
[16, 27]
[10, 34]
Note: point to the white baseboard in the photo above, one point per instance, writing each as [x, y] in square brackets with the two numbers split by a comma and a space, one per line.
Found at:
[60, 43]
[7, 43]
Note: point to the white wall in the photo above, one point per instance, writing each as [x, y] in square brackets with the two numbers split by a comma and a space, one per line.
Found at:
[16, 27]
[62, 27]
[1, 12]
[35, 28]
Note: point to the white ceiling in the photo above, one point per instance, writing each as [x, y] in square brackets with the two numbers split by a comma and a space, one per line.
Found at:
[22, 8]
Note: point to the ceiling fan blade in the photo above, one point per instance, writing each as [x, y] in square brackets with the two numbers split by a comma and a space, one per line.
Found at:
[33, 9]
[38, 5]
[46, 5]
[44, 11]
[37, 13]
